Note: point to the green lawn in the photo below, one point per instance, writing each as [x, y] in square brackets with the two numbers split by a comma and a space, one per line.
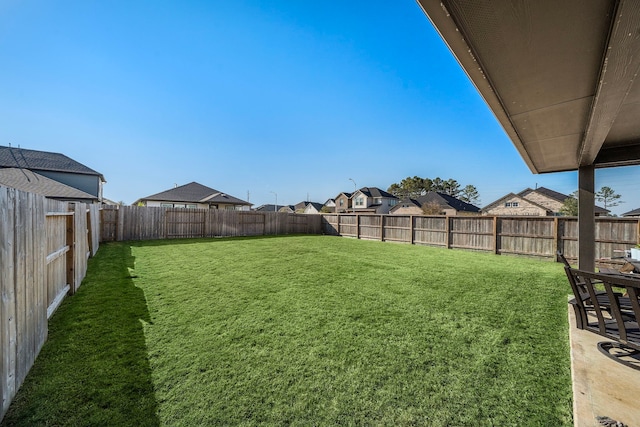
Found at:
[304, 330]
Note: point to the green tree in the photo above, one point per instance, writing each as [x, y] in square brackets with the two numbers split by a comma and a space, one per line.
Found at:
[437, 184]
[451, 187]
[470, 194]
[414, 187]
[570, 205]
[397, 190]
[609, 197]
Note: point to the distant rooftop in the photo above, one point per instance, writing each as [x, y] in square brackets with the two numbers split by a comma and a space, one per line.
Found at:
[11, 157]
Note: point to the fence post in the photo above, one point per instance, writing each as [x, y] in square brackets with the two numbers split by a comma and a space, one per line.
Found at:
[556, 237]
[447, 229]
[71, 243]
[496, 244]
[357, 226]
[382, 228]
[120, 224]
[411, 226]
[89, 231]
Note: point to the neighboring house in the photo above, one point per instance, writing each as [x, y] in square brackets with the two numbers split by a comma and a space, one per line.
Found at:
[287, 209]
[330, 204]
[300, 207]
[303, 206]
[632, 214]
[31, 182]
[274, 208]
[343, 202]
[532, 202]
[55, 166]
[372, 199]
[313, 208]
[447, 204]
[194, 195]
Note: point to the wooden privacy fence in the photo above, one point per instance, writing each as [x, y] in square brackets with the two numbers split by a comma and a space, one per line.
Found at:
[521, 235]
[121, 223]
[44, 246]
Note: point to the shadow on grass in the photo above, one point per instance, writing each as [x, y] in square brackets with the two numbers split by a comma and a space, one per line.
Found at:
[93, 369]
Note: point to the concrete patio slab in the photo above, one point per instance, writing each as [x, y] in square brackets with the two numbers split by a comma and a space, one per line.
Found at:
[601, 386]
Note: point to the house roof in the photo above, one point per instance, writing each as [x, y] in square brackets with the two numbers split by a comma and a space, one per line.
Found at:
[374, 192]
[195, 193]
[635, 212]
[11, 157]
[347, 195]
[561, 77]
[29, 181]
[447, 200]
[546, 192]
[271, 207]
[317, 206]
[540, 190]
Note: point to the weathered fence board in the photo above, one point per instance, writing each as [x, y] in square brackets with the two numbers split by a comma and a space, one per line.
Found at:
[38, 264]
[149, 223]
[531, 236]
[8, 332]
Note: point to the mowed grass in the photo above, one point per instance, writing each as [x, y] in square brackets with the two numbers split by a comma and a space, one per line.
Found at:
[304, 330]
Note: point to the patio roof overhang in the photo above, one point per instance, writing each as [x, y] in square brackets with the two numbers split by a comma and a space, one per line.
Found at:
[561, 77]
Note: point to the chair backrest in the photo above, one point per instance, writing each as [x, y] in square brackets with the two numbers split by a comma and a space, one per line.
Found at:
[611, 322]
[562, 258]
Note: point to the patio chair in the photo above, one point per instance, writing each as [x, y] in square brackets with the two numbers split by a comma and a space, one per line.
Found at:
[601, 295]
[611, 321]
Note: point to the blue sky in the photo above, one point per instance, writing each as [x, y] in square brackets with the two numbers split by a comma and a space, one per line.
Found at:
[255, 98]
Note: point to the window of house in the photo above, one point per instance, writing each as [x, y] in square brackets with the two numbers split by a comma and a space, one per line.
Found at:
[341, 202]
[378, 200]
[192, 206]
[360, 201]
[166, 205]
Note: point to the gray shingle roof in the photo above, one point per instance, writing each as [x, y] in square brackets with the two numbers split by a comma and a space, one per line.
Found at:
[195, 193]
[11, 157]
[376, 192]
[446, 200]
[635, 212]
[29, 181]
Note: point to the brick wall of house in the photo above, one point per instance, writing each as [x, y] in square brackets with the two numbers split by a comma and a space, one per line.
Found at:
[523, 208]
[552, 205]
[342, 204]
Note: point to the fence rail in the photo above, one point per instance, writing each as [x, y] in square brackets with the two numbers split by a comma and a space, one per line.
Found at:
[44, 246]
[531, 236]
[121, 223]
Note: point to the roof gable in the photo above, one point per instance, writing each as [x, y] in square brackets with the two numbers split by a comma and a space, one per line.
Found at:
[195, 193]
[29, 181]
[375, 192]
[545, 192]
[21, 158]
[446, 200]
